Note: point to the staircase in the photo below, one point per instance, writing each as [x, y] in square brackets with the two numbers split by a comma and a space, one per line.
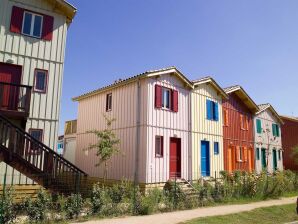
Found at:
[187, 188]
[37, 161]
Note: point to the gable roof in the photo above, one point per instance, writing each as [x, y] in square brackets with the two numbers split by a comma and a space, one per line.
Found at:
[65, 7]
[291, 118]
[240, 92]
[147, 74]
[210, 80]
[263, 107]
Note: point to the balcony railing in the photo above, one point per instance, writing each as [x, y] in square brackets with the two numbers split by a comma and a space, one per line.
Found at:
[15, 99]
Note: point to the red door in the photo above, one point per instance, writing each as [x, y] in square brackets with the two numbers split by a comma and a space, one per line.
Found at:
[9, 94]
[175, 157]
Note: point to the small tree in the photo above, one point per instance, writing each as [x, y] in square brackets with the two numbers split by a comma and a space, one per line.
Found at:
[106, 145]
[295, 154]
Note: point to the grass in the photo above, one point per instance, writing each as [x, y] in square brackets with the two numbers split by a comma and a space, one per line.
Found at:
[268, 215]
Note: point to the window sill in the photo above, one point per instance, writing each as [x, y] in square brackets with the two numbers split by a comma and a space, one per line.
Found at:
[158, 156]
[39, 91]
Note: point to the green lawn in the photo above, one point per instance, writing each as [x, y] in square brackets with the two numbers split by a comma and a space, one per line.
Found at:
[269, 215]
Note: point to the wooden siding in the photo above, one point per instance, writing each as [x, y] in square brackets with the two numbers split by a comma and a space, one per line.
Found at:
[267, 119]
[124, 109]
[206, 130]
[32, 53]
[233, 135]
[167, 124]
[289, 139]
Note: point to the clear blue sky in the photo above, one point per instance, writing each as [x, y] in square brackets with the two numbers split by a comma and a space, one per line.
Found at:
[248, 42]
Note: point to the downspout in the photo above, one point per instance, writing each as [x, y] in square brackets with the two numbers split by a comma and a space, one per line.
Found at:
[190, 149]
[137, 146]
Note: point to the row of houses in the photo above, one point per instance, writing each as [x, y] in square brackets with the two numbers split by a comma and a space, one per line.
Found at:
[171, 127]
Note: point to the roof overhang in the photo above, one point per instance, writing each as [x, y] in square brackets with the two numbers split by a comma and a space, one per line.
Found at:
[273, 111]
[66, 8]
[211, 81]
[284, 117]
[245, 98]
[148, 74]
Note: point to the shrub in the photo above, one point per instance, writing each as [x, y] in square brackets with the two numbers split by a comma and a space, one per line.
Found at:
[8, 208]
[73, 206]
[36, 209]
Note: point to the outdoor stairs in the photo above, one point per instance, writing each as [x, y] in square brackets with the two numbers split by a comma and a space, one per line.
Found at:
[187, 188]
[37, 161]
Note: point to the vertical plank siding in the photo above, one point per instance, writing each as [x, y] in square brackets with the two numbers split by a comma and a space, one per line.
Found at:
[267, 119]
[233, 136]
[289, 140]
[32, 53]
[206, 130]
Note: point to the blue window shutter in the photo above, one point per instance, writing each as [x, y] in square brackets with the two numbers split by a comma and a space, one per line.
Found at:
[216, 111]
[209, 108]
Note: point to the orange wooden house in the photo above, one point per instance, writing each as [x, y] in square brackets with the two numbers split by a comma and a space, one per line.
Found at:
[238, 132]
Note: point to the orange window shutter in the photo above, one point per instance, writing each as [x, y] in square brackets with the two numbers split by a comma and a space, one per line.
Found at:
[237, 153]
[241, 121]
[246, 123]
[227, 117]
[245, 154]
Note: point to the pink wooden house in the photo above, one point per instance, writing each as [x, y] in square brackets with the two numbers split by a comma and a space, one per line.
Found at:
[152, 112]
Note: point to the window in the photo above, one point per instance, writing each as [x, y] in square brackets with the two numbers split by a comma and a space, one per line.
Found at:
[32, 24]
[212, 110]
[275, 130]
[166, 98]
[40, 83]
[258, 153]
[259, 126]
[38, 135]
[279, 154]
[244, 122]
[216, 148]
[159, 146]
[109, 102]
[240, 154]
[226, 117]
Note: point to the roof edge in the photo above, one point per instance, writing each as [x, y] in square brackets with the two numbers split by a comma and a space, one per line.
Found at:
[214, 83]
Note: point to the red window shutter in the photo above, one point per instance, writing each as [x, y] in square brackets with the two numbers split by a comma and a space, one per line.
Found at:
[175, 100]
[47, 30]
[158, 96]
[16, 20]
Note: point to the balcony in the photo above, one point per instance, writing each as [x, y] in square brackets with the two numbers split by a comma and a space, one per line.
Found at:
[15, 100]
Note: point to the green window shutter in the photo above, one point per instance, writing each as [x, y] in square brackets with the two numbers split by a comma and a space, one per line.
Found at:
[273, 130]
[277, 130]
[259, 126]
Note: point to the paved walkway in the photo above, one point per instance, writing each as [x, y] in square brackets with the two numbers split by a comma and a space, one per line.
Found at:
[182, 216]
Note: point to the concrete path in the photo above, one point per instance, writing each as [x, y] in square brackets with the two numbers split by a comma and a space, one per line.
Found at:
[182, 216]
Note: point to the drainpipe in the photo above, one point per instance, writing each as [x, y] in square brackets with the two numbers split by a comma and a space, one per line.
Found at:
[190, 170]
[137, 146]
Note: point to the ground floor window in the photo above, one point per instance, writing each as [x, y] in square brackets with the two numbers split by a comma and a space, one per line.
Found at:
[158, 146]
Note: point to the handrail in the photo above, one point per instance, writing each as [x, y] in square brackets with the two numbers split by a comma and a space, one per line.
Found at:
[13, 84]
[42, 146]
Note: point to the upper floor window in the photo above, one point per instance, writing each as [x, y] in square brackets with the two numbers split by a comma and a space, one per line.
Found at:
[259, 126]
[40, 83]
[166, 98]
[32, 24]
[109, 102]
[275, 130]
[244, 122]
[158, 146]
[212, 110]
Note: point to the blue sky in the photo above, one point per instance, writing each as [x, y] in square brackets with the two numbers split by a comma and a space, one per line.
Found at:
[248, 42]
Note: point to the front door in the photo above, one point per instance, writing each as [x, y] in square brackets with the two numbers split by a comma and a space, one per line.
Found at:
[274, 160]
[205, 159]
[9, 94]
[175, 157]
[230, 159]
[264, 158]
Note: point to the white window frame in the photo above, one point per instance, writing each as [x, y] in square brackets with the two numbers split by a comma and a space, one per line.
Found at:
[32, 24]
[164, 89]
[44, 90]
[109, 101]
